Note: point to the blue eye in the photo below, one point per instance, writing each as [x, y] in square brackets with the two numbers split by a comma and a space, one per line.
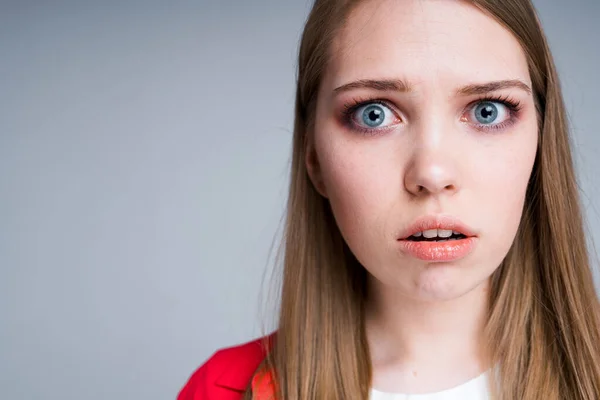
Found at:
[493, 114]
[488, 112]
[373, 116]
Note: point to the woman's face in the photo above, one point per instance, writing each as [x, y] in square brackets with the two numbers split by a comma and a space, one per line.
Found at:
[425, 111]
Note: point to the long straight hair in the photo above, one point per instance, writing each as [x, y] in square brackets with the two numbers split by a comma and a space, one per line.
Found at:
[543, 329]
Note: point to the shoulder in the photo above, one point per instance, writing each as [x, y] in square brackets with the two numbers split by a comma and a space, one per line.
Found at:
[227, 373]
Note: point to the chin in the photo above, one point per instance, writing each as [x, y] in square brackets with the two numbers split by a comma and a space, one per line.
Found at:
[442, 284]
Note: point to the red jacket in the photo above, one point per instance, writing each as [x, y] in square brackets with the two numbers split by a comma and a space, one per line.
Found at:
[227, 374]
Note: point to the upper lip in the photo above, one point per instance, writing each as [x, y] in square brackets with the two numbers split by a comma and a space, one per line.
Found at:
[427, 222]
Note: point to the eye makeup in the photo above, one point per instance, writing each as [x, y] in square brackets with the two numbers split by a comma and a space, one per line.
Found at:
[349, 119]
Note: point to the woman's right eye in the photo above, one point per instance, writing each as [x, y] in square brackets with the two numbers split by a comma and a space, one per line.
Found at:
[373, 116]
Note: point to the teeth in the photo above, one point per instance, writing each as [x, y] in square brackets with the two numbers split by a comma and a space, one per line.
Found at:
[431, 233]
[444, 233]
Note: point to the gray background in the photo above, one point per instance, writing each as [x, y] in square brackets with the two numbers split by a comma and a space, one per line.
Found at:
[144, 151]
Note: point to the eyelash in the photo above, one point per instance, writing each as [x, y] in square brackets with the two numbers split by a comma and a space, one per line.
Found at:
[514, 107]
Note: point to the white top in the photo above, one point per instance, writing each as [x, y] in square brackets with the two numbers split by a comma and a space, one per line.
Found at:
[475, 389]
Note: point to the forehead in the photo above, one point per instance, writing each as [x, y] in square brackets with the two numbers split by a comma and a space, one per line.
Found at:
[441, 43]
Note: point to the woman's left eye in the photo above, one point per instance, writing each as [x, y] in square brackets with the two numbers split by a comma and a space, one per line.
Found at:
[373, 116]
[489, 113]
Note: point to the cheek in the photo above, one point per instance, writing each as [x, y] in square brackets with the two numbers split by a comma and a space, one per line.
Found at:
[501, 188]
[363, 183]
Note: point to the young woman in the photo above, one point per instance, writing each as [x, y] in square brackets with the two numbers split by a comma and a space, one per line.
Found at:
[434, 247]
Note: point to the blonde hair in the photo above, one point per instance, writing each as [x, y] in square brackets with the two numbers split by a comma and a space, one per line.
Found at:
[543, 328]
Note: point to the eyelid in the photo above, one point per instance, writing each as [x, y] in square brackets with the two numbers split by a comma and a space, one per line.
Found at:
[505, 100]
[355, 104]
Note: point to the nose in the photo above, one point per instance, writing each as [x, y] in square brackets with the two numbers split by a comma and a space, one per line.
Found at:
[433, 166]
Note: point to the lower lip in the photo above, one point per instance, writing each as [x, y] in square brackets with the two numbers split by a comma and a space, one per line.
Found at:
[451, 250]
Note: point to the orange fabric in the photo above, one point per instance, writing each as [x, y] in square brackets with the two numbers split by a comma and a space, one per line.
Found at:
[263, 386]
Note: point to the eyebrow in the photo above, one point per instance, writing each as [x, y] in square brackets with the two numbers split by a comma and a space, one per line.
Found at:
[384, 85]
[493, 86]
[398, 85]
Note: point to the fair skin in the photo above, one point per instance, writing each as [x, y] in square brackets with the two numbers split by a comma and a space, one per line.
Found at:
[424, 150]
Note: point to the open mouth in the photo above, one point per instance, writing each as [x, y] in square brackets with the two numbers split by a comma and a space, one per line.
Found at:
[439, 245]
[436, 235]
[437, 239]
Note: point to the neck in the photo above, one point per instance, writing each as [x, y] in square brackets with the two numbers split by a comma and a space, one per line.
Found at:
[433, 337]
